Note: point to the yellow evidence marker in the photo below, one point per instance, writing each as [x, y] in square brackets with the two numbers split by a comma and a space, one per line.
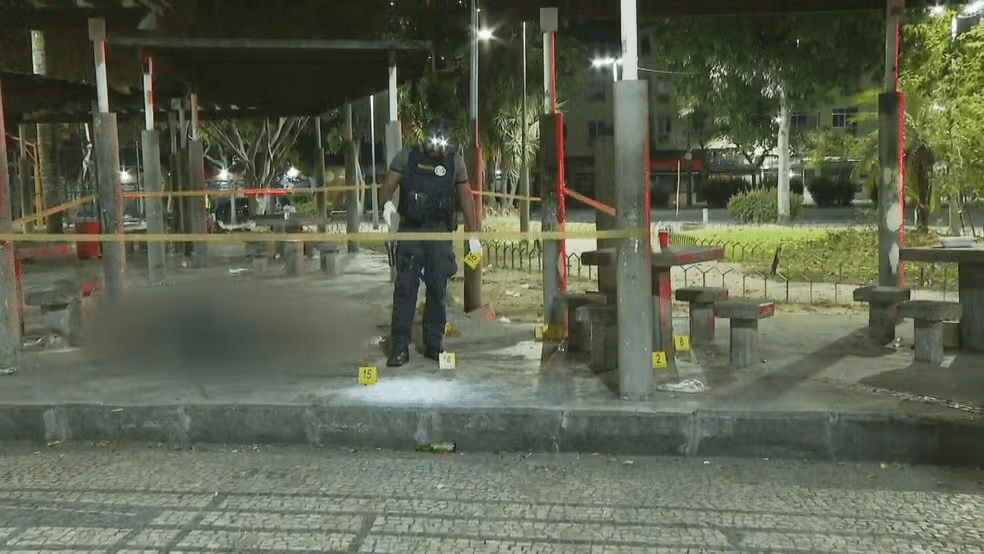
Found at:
[447, 360]
[368, 375]
[540, 332]
[472, 260]
[659, 360]
[448, 329]
[682, 343]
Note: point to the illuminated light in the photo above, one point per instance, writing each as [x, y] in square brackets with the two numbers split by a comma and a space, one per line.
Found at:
[224, 174]
[293, 172]
[485, 34]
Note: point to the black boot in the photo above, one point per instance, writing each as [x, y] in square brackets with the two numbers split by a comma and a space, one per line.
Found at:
[398, 357]
[433, 353]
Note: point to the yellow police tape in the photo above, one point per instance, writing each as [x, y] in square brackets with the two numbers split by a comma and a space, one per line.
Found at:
[365, 236]
[50, 211]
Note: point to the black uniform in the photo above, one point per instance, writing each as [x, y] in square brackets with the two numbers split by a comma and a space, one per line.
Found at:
[427, 204]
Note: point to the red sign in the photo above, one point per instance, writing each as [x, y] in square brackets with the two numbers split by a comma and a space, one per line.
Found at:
[672, 165]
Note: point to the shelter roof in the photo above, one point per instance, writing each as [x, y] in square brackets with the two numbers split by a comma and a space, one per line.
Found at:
[30, 98]
[279, 77]
[650, 9]
[74, 14]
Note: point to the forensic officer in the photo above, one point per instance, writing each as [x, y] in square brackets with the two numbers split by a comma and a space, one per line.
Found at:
[433, 182]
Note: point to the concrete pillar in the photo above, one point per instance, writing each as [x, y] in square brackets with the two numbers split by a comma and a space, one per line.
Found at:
[473, 277]
[352, 208]
[890, 152]
[198, 217]
[890, 191]
[47, 144]
[524, 172]
[550, 207]
[634, 260]
[10, 337]
[971, 277]
[294, 258]
[153, 182]
[196, 181]
[744, 343]
[929, 341]
[320, 176]
[110, 202]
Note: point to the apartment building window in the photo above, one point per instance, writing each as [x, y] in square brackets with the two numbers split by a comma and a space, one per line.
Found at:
[597, 88]
[645, 46]
[805, 121]
[598, 128]
[843, 118]
[664, 127]
[661, 88]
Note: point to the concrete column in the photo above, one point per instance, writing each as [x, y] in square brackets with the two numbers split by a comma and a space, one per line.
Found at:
[929, 341]
[294, 258]
[320, 176]
[604, 179]
[10, 337]
[196, 181]
[198, 216]
[634, 260]
[374, 186]
[890, 191]
[108, 168]
[971, 278]
[110, 204]
[890, 151]
[550, 207]
[744, 343]
[552, 306]
[352, 207]
[153, 182]
[473, 277]
[524, 172]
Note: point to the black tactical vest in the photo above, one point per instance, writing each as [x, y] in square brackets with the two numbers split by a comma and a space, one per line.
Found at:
[427, 194]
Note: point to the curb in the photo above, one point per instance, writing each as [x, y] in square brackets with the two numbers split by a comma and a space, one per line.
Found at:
[703, 433]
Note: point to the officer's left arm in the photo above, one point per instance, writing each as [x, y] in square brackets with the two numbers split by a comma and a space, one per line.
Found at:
[468, 206]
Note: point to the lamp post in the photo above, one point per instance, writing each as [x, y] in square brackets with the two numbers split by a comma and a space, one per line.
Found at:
[599, 63]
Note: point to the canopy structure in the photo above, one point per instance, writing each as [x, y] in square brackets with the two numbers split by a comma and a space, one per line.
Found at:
[74, 14]
[30, 98]
[249, 78]
[650, 9]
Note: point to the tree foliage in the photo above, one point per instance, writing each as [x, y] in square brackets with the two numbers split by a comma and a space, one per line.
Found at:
[737, 69]
[256, 148]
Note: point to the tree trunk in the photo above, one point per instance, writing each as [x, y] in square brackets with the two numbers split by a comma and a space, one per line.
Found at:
[47, 142]
[783, 192]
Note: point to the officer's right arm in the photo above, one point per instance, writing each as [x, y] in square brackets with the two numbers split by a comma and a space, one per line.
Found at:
[389, 186]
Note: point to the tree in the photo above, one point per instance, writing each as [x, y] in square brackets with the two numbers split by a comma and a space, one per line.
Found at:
[748, 71]
[256, 148]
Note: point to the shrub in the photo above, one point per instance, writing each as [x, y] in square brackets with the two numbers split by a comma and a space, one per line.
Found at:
[762, 206]
[827, 192]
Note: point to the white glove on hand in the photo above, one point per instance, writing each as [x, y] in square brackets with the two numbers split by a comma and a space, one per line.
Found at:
[474, 246]
[388, 210]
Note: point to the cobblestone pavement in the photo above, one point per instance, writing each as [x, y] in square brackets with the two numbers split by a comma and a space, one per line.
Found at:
[143, 499]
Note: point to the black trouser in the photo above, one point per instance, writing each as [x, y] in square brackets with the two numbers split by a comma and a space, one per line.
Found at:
[434, 263]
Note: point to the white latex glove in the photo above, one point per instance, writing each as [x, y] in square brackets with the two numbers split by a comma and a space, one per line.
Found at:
[388, 210]
[474, 246]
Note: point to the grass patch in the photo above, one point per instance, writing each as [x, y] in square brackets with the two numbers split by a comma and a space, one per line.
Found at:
[821, 255]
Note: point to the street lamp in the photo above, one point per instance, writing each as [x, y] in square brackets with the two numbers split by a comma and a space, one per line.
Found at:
[485, 34]
[599, 63]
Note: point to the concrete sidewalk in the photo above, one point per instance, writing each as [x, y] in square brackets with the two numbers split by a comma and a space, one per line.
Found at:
[227, 356]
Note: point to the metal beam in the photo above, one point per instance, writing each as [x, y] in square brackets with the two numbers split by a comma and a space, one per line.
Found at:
[272, 44]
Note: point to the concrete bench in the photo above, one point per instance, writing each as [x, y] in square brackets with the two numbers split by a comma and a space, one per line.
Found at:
[701, 300]
[603, 321]
[744, 316]
[259, 253]
[61, 308]
[329, 253]
[882, 313]
[928, 317]
[579, 332]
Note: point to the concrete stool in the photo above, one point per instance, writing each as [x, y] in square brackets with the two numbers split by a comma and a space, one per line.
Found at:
[702, 329]
[579, 332]
[61, 308]
[258, 253]
[329, 258]
[882, 316]
[744, 316]
[928, 317]
[603, 321]
[294, 258]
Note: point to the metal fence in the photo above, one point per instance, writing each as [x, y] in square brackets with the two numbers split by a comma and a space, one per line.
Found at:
[754, 271]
